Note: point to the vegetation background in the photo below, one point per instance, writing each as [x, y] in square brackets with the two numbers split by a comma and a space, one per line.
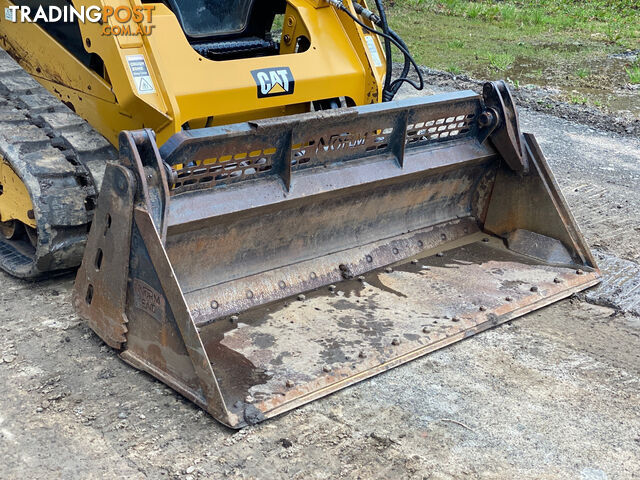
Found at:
[587, 50]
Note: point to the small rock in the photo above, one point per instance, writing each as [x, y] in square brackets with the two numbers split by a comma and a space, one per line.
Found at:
[56, 396]
[142, 416]
[8, 358]
[301, 297]
[122, 415]
[286, 443]
[190, 469]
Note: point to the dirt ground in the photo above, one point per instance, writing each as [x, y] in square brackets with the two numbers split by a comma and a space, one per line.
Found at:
[555, 394]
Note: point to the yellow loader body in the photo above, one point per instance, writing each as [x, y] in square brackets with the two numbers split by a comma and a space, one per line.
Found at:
[188, 88]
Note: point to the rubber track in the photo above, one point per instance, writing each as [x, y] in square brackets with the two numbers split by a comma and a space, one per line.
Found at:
[61, 159]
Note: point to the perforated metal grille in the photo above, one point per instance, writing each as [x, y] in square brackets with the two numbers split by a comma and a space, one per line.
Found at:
[456, 126]
[330, 146]
[223, 169]
[321, 147]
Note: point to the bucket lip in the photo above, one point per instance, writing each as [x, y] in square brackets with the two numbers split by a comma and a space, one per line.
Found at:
[336, 383]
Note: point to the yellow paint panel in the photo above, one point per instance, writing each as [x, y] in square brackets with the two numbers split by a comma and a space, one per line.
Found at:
[15, 202]
[187, 86]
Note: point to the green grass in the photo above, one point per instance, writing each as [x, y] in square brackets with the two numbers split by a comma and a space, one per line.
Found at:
[455, 44]
[614, 21]
[613, 33]
[508, 13]
[536, 73]
[524, 37]
[474, 10]
[500, 61]
[633, 73]
[583, 73]
[564, 44]
[578, 99]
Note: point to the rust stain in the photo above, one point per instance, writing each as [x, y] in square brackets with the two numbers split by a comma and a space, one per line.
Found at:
[292, 350]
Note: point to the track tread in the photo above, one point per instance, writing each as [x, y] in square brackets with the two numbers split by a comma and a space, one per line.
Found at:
[61, 159]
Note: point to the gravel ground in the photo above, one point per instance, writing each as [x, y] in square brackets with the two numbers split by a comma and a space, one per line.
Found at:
[555, 394]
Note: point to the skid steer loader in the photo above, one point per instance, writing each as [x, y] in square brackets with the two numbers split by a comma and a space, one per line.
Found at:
[270, 226]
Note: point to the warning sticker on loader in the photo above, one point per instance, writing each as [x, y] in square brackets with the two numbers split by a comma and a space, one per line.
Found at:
[375, 55]
[140, 74]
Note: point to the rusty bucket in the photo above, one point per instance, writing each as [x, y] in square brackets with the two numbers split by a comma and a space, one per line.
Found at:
[259, 266]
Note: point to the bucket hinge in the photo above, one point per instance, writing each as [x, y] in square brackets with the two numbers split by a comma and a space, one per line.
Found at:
[501, 125]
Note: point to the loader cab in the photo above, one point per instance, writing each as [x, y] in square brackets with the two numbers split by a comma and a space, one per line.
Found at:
[216, 29]
[219, 18]
[229, 29]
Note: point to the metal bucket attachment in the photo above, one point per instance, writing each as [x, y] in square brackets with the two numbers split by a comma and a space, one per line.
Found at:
[258, 266]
